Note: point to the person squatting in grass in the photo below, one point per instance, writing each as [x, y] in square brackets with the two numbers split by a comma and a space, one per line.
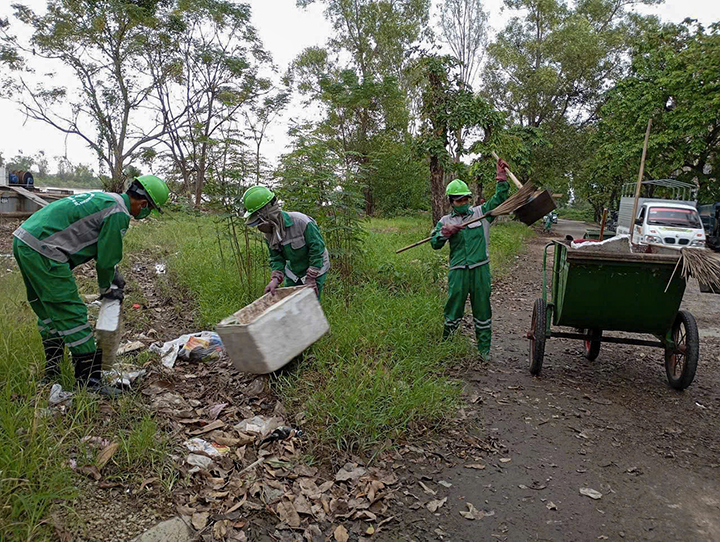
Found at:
[297, 249]
[469, 258]
[58, 238]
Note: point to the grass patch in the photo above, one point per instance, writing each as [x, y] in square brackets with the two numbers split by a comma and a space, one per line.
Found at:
[381, 370]
[582, 212]
[36, 443]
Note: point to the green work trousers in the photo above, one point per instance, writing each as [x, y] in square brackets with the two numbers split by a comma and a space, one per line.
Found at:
[53, 296]
[320, 283]
[476, 283]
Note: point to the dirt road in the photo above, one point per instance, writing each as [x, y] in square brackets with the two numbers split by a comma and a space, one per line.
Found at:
[612, 425]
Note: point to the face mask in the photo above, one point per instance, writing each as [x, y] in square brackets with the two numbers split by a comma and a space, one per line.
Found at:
[462, 209]
[144, 213]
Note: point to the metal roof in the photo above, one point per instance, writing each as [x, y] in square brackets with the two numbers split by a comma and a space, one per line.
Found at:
[670, 183]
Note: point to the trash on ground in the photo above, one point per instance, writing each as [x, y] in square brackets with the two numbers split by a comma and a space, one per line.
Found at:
[200, 445]
[58, 396]
[589, 492]
[199, 461]
[170, 350]
[160, 269]
[473, 513]
[129, 347]
[117, 377]
[203, 348]
[259, 425]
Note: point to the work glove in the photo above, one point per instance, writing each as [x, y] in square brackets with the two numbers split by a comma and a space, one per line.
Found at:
[117, 288]
[501, 174]
[311, 279]
[275, 280]
[448, 230]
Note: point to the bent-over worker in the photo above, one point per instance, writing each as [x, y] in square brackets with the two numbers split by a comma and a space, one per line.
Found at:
[469, 259]
[297, 249]
[58, 238]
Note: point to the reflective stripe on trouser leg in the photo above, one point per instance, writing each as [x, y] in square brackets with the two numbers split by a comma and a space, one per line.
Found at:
[480, 287]
[54, 297]
[458, 288]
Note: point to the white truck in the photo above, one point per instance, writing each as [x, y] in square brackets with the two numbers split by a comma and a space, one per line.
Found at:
[670, 219]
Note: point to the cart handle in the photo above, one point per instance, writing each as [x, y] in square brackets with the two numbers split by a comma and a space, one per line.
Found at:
[545, 253]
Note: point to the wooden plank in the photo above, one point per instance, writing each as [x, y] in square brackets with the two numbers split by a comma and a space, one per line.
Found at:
[29, 195]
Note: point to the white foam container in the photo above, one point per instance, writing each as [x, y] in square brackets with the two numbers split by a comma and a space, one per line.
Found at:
[268, 333]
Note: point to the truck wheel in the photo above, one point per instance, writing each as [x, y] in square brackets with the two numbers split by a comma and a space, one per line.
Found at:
[681, 362]
[537, 336]
[592, 343]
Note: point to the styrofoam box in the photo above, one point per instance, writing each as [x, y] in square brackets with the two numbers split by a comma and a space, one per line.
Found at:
[272, 330]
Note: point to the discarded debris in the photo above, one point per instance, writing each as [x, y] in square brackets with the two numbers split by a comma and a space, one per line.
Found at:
[589, 492]
[434, 505]
[477, 466]
[551, 506]
[170, 350]
[259, 425]
[341, 534]
[473, 513]
[58, 396]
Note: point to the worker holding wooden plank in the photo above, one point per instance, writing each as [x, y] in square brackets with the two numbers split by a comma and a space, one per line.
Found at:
[469, 259]
[63, 235]
[297, 249]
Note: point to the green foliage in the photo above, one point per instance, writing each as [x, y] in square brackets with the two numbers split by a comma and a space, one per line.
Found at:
[675, 80]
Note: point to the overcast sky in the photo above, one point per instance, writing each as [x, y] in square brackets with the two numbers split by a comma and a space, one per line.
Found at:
[285, 31]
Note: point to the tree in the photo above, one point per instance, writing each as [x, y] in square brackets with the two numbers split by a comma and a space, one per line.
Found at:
[448, 107]
[675, 80]
[464, 29]
[204, 65]
[259, 117]
[101, 42]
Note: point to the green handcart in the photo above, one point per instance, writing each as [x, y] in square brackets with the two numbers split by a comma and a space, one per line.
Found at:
[595, 291]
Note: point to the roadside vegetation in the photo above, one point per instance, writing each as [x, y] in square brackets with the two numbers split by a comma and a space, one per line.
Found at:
[380, 372]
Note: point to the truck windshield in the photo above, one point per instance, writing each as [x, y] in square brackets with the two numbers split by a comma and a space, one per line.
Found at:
[669, 216]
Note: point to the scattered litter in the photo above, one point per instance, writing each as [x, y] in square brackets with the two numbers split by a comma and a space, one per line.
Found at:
[281, 433]
[259, 425]
[505, 460]
[200, 445]
[201, 461]
[126, 379]
[588, 492]
[445, 484]
[160, 269]
[473, 513]
[58, 396]
[434, 505]
[551, 506]
[170, 350]
[205, 348]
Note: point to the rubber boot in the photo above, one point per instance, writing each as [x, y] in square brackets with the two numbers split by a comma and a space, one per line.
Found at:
[88, 372]
[54, 351]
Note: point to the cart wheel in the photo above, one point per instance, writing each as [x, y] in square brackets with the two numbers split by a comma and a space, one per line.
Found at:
[592, 343]
[537, 336]
[681, 363]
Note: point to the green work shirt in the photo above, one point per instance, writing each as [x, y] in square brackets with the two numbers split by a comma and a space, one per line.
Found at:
[80, 228]
[469, 246]
[302, 247]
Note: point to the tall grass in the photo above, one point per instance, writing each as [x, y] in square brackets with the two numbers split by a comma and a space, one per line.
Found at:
[36, 443]
[381, 370]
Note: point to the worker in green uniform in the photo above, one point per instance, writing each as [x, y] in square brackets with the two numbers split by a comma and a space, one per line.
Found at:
[297, 250]
[63, 235]
[469, 261]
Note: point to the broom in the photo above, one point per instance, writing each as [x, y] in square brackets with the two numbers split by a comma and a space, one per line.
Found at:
[702, 265]
[517, 200]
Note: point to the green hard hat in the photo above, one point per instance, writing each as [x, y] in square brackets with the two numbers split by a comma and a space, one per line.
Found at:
[457, 188]
[255, 198]
[156, 188]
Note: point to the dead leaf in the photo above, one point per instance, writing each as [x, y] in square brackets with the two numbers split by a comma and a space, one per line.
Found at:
[426, 489]
[220, 529]
[105, 454]
[217, 424]
[551, 506]
[505, 460]
[215, 410]
[445, 484]
[91, 471]
[199, 520]
[473, 513]
[434, 505]
[61, 532]
[351, 471]
[313, 534]
[370, 530]
[341, 534]
[288, 514]
[478, 466]
[302, 505]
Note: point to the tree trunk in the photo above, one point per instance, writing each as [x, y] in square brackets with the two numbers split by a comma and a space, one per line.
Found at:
[437, 189]
[117, 184]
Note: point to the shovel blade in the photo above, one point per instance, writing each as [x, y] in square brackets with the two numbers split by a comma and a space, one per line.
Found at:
[540, 205]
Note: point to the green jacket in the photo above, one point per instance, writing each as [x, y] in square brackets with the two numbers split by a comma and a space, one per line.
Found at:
[302, 247]
[81, 228]
[469, 246]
